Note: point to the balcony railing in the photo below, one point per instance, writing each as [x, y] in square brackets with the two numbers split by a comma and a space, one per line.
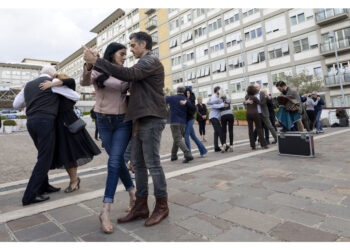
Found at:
[331, 15]
[328, 48]
[334, 80]
[151, 24]
[149, 11]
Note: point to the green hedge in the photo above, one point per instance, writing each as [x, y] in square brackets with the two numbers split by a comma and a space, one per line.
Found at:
[241, 115]
[22, 117]
[10, 123]
[86, 113]
[3, 118]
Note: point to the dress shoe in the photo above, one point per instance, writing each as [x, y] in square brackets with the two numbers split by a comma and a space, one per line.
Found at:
[50, 189]
[217, 149]
[187, 159]
[160, 212]
[138, 211]
[38, 198]
[274, 142]
[265, 147]
[174, 158]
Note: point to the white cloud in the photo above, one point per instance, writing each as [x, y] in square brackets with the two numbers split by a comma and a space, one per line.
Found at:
[51, 34]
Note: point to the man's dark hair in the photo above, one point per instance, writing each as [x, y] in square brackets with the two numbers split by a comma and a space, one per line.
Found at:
[216, 89]
[181, 90]
[281, 84]
[142, 36]
[251, 90]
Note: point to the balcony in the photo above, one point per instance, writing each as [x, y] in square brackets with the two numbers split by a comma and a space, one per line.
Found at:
[149, 11]
[334, 80]
[327, 48]
[152, 24]
[154, 40]
[330, 15]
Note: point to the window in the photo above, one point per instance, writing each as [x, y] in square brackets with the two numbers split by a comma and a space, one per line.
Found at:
[216, 46]
[202, 51]
[318, 72]
[203, 71]
[171, 10]
[176, 60]
[248, 12]
[235, 63]
[301, 16]
[302, 45]
[156, 52]
[275, 24]
[278, 50]
[231, 17]
[198, 13]
[177, 78]
[174, 24]
[188, 56]
[190, 75]
[218, 66]
[199, 32]
[174, 42]
[214, 25]
[252, 33]
[256, 56]
[186, 37]
[293, 20]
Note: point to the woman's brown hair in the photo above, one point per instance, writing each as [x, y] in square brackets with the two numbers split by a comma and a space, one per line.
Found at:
[251, 90]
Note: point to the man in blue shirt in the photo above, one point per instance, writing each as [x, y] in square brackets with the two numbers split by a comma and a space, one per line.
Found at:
[178, 113]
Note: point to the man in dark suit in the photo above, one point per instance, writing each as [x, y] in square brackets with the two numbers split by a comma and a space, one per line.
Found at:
[41, 111]
[265, 116]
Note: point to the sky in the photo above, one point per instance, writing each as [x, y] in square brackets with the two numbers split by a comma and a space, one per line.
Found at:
[49, 34]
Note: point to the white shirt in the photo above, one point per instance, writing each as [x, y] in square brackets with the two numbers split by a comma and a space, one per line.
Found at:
[258, 105]
[19, 101]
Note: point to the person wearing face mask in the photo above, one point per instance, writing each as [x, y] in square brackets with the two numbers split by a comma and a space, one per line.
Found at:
[115, 133]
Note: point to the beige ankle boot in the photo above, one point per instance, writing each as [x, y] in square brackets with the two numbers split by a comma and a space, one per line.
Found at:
[132, 200]
[105, 220]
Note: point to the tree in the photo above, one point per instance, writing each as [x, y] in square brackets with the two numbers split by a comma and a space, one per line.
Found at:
[305, 83]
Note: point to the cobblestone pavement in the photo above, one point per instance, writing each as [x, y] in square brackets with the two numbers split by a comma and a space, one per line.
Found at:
[239, 196]
[19, 157]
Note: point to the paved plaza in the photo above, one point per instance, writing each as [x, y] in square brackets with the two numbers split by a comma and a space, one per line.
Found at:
[244, 196]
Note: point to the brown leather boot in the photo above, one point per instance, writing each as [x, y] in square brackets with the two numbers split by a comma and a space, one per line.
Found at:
[138, 211]
[160, 211]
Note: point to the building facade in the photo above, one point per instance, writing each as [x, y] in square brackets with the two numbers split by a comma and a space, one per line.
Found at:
[232, 48]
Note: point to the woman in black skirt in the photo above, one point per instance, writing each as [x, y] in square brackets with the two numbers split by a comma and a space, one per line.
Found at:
[71, 150]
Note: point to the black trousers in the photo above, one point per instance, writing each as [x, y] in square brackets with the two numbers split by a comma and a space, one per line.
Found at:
[227, 122]
[202, 124]
[312, 117]
[217, 132]
[43, 134]
[265, 129]
[256, 119]
[96, 130]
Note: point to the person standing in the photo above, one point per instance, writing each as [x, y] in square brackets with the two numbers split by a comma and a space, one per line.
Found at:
[41, 110]
[115, 132]
[201, 117]
[227, 120]
[289, 113]
[265, 114]
[189, 132]
[318, 111]
[148, 109]
[253, 116]
[72, 149]
[310, 110]
[178, 114]
[215, 116]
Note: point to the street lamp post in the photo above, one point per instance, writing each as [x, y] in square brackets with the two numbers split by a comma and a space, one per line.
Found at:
[332, 36]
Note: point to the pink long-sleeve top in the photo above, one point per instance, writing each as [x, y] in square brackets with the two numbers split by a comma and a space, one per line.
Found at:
[110, 100]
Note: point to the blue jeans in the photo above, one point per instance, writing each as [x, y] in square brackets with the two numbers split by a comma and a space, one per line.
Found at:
[190, 132]
[318, 123]
[115, 135]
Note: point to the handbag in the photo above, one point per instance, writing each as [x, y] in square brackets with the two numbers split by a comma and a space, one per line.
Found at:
[76, 126]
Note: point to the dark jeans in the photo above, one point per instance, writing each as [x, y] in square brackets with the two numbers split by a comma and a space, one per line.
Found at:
[256, 119]
[178, 132]
[145, 156]
[202, 124]
[312, 117]
[42, 131]
[217, 132]
[115, 135]
[227, 121]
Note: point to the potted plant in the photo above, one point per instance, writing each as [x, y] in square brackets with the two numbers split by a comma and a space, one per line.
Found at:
[22, 121]
[8, 126]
